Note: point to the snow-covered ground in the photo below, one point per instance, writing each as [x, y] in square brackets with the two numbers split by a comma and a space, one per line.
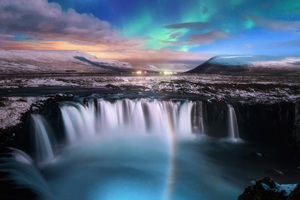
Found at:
[244, 89]
[257, 61]
[12, 108]
[268, 89]
[285, 188]
[29, 61]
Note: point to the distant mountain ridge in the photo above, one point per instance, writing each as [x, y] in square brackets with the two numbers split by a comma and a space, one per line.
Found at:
[40, 61]
[248, 65]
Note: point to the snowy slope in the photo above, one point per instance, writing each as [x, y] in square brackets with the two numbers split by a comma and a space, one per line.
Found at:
[249, 65]
[14, 61]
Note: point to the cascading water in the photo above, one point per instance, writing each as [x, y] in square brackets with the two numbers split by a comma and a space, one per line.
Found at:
[184, 119]
[79, 120]
[20, 172]
[147, 122]
[232, 124]
[134, 149]
[113, 146]
[141, 116]
[197, 117]
[119, 117]
[42, 148]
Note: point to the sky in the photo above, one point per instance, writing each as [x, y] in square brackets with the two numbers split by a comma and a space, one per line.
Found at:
[175, 34]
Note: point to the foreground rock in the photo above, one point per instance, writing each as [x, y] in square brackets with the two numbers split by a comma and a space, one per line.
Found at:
[268, 189]
[250, 65]
[15, 110]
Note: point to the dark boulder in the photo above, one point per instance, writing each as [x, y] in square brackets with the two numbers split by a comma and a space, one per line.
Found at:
[295, 194]
[268, 189]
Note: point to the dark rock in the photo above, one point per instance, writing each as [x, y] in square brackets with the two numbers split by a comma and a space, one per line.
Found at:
[18, 136]
[70, 70]
[215, 118]
[255, 155]
[2, 102]
[268, 189]
[269, 124]
[295, 194]
[113, 87]
[22, 100]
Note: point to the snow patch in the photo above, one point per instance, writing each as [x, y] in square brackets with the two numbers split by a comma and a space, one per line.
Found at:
[286, 188]
[257, 61]
[291, 62]
[10, 114]
[54, 60]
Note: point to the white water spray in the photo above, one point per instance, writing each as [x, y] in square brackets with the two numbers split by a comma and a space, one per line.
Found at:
[79, 121]
[42, 146]
[232, 123]
[142, 116]
[197, 117]
[102, 117]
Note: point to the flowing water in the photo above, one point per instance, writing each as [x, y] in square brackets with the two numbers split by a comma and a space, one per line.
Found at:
[138, 150]
[42, 147]
[232, 124]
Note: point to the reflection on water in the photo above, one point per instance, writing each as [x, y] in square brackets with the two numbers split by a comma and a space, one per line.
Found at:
[116, 168]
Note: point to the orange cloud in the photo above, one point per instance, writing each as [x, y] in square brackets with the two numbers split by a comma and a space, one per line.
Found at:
[123, 52]
[51, 28]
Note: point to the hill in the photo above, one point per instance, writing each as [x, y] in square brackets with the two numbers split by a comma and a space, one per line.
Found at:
[55, 61]
[249, 65]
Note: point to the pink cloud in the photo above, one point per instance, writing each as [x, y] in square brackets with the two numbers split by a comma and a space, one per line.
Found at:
[207, 37]
[47, 20]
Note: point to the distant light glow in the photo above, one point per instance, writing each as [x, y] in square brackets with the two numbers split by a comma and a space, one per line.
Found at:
[168, 73]
[139, 72]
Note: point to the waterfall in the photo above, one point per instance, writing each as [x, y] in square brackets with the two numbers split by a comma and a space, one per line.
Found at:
[232, 123]
[19, 173]
[21, 156]
[134, 116]
[197, 117]
[42, 148]
[79, 120]
[185, 122]
[119, 117]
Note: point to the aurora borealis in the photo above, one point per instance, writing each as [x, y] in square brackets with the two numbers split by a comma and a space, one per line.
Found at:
[160, 32]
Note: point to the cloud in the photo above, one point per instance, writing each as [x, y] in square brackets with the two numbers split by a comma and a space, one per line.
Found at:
[293, 43]
[143, 57]
[190, 25]
[47, 20]
[289, 43]
[6, 36]
[136, 56]
[175, 35]
[278, 25]
[207, 37]
[46, 26]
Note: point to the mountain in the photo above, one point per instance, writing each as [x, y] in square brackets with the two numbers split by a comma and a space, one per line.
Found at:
[55, 61]
[249, 65]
